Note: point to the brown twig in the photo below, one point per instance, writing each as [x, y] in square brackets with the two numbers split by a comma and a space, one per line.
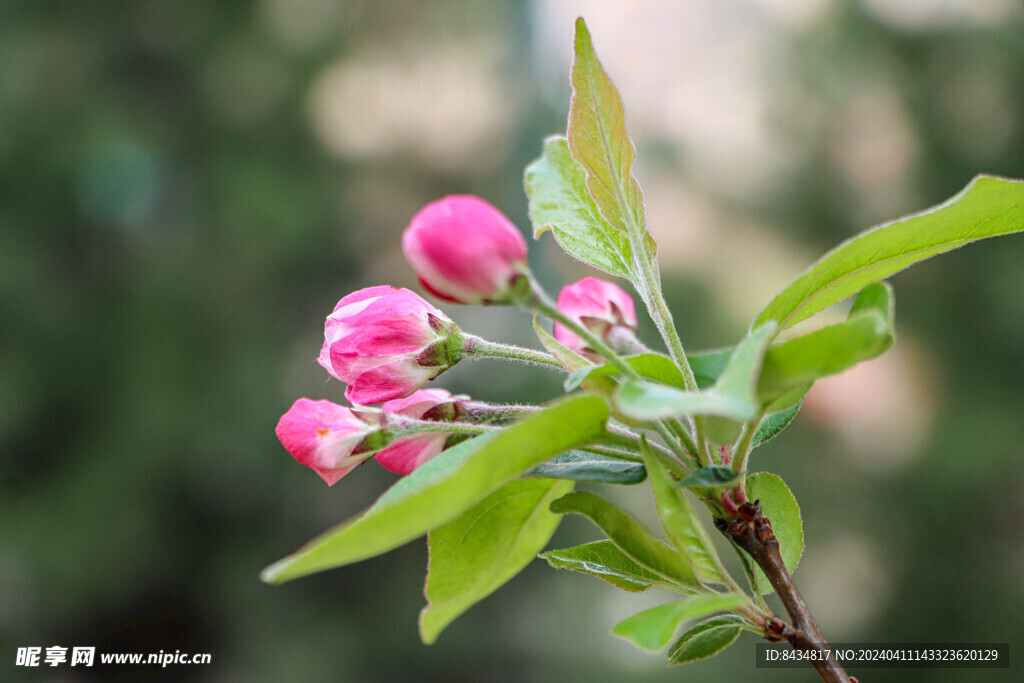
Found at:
[752, 532]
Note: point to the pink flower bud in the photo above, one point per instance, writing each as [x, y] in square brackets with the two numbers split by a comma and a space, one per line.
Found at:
[386, 343]
[602, 307]
[405, 455]
[323, 435]
[464, 250]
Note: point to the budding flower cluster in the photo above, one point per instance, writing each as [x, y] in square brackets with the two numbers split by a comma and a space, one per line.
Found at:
[332, 439]
[387, 343]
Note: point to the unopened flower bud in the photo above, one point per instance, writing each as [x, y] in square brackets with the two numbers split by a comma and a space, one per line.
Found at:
[406, 454]
[325, 437]
[603, 308]
[466, 251]
[386, 343]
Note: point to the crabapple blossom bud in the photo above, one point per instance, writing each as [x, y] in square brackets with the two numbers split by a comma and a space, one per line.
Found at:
[466, 251]
[386, 343]
[406, 454]
[325, 437]
[604, 309]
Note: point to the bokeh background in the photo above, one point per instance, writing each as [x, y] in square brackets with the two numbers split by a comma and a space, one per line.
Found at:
[187, 188]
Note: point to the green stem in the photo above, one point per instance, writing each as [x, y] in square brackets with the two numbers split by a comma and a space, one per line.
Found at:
[617, 436]
[739, 463]
[662, 316]
[398, 427]
[478, 411]
[677, 428]
[677, 470]
[542, 303]
[613, 453]
[481, 348]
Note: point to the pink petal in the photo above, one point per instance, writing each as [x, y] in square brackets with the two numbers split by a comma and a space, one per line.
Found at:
[332, 476]
[322, 436]
[392, 380]
[464, 248]
[386, 337]
[404, 456]
[366, 293]
[417, 403]
[597, 300]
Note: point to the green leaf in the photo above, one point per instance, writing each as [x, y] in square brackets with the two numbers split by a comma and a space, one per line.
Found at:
[629, 535]
[780, 507]
[739, 377]
[733, 396]
[680, 522]
[556, 187]
[448, 485]
[773, 424]
[987, 207]
[651, 365]
[585, 466]
[787, 400]
[653, 628]
[474, 555]
[604, 560]
[711, 477]
[642, 400]
[705, 639]
[599, 142]
[867, 333]
[707, 366]
[739, 380]
[877, 297]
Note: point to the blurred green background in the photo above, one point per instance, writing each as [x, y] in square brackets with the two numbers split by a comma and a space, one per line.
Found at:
[187, 188]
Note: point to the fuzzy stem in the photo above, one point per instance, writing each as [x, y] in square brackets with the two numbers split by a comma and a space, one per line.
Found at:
[618, 436]
[477, 411]
[481, 348]
[398, 427]
[739, 463]
[662, 316]
[542, 303]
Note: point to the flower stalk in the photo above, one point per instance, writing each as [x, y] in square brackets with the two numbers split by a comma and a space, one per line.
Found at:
[481, 348]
